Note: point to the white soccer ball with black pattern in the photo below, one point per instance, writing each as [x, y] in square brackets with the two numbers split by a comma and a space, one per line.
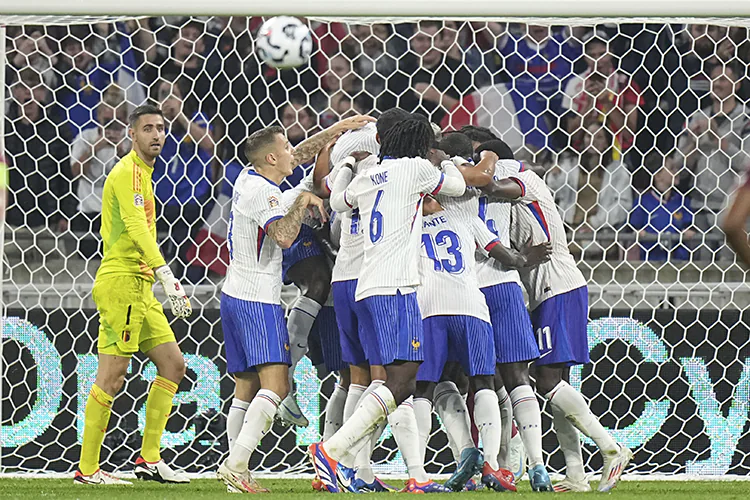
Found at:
[284, 42]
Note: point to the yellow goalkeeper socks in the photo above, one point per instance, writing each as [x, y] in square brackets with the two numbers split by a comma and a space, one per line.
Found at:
[98, 410]
[158, 408]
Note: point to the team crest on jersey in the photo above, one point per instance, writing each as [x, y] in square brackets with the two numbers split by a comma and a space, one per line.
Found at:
[286, 346]
[138, 200]
[415, 344]
[273, 201]
[307, 243]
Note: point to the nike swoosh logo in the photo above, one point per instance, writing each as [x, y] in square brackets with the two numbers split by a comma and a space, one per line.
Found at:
[545, 354]
[302, 346]
[295, 415]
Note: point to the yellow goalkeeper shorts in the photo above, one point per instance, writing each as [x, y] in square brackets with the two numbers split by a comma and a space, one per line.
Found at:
[130, 317]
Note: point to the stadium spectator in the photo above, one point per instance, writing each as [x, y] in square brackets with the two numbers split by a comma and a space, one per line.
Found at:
[34, 51]
[538, 61]
[40, 191]
[602, 94]
[592, 189]
[436, 80]
[339, 86]
[662, 216]
[93, 153]
[182, 176]
[716, 146]
[375, 54]
[298, 120]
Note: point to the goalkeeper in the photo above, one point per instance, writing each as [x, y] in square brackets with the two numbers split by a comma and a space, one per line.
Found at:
[130, 317]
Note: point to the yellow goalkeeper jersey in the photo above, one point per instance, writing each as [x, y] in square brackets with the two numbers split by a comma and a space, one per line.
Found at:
[128, 221]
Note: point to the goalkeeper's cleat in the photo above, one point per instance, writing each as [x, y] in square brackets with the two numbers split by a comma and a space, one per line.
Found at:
[377, 486]
[498, 480]
[614, 466]
[412, 486]
[178, 301]
[569, 485]
[98, 478]
[242, 482]
[290, 414]
[325, 467]
[517, 456]
[539, 479]
[159, 472]
[469, 464]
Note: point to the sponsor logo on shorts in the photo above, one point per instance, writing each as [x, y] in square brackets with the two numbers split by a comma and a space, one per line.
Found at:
[138, 200]
[273, 201]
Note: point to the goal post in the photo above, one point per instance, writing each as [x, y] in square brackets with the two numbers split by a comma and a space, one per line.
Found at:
[670, 372]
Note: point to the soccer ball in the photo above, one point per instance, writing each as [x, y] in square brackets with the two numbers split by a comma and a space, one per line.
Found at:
[284, 42]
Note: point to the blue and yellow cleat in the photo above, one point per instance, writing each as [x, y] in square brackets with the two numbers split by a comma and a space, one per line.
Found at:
[539, 479]
[412, 486]
[325, 468]
[346, 477]
[470, 464]
[377, 486]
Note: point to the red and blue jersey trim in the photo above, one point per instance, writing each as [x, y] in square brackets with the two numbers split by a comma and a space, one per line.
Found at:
[269, 221]
[520, 183]
[492, 244]
[536, 211]
[261, 238]
[440, 184]
[347, 201]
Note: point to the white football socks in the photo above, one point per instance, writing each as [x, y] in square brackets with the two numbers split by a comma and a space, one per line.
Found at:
[506, 419]
[335, 411]
[487, 419]
[299, 324]
[234, 420]
[352, 400]
[529, 419]
[404, 427]
[570, 444]
[258, 419]
[423, 413]
[451, 408]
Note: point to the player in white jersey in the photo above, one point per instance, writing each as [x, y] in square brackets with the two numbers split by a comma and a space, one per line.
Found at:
[389, 198]
[558, 300]
[255, 335]
[350, 149]
[305, 264]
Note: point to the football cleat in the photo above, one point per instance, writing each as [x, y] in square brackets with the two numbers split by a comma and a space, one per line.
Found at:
[377, 486]
[539, 479]
[498, 480]
[317, 484]
[473, 485]
[159, 472]
[98, 478]
[469, 464]
[569, 485]
[346, 478]
[290, 414]
[325, 468]
[517, 456]
[242, 482]
[614, 466]
[412, 486]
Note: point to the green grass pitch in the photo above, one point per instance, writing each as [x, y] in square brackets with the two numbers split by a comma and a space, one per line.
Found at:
[299, 489]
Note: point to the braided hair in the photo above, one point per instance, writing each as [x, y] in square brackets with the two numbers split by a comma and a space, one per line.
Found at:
[411, 138]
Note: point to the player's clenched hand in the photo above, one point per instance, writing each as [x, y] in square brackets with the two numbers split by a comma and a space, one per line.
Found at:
[313, 201]
[178, 301]
[537, 254]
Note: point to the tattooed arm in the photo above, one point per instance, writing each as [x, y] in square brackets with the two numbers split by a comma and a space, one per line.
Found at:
[308, 148]
[285, 230]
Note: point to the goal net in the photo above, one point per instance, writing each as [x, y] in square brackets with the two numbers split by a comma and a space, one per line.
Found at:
[641, 125]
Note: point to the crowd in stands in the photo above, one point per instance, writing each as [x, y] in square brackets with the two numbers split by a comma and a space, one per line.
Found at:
[641, 128]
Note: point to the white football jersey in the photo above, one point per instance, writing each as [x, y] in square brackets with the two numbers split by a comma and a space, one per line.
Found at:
[389, 198]
[448, 267]
[497, 217]
[361, 139]
[351, 246]
[254, 259]
[535, 216]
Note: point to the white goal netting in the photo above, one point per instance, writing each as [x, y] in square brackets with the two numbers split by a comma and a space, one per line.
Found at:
[642, 126]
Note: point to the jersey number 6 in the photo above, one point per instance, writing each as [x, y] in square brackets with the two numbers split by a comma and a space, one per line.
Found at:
[376, 219]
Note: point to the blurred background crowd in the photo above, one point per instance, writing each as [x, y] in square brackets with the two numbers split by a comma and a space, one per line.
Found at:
[641, 128]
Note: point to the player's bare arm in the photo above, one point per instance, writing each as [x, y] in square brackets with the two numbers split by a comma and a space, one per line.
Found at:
[323, 168]
[735, 222]
[285, 230]
[310, 147]
[532, 256]
[503, 190]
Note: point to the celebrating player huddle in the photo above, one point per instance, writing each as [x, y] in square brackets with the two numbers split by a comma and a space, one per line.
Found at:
[435, 244]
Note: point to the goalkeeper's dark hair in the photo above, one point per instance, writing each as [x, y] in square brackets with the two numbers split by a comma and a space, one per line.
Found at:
[478, 134]
[259, 140]
[146, 109]
[457, 144]
[388, 119]
[411, 138]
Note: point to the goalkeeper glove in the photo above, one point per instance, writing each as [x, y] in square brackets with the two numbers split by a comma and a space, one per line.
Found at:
[178, 301]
